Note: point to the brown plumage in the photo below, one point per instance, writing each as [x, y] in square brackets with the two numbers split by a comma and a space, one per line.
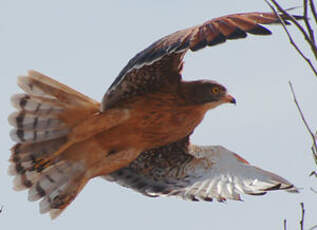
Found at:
[65, 138]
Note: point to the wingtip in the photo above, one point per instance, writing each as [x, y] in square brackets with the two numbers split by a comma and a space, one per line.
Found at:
[288, 187]
[54, 213]
[292, 189]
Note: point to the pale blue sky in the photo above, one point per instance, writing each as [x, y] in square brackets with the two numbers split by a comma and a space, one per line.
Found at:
[85, 44]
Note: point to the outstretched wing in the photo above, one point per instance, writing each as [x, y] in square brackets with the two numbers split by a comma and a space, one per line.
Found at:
[197, 173]
[161, 62]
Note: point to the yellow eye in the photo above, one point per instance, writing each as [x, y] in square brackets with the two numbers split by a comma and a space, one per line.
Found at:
[215, 90]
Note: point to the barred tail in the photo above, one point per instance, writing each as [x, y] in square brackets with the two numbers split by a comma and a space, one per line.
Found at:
[45, 116]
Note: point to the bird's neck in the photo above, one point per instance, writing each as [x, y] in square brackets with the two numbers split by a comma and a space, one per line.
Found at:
[189, 91]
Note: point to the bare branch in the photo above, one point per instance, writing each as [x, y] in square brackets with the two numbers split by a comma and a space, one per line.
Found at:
[301, 222]
[314, 227]
[303, 216]
[308, 27]
[313, 190]
[311, 40]
[314, 147]
[313, 173]
[292, 19]
[313, 9]
[301, 113]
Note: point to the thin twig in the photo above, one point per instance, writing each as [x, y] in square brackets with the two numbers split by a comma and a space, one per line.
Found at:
[303, 216]
[289, 35]
[301, 29]
[314, 147]
[314, 227]
[308, 27]
[313, 10]
[292, 19]
[285, 224]
[313, 173]
[313, 190]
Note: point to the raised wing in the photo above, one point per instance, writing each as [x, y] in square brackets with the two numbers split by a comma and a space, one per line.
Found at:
[161, 62]
[197, 173]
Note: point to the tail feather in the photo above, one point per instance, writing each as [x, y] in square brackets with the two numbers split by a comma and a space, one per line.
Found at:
[47, 112]
[31, 136]
[57, 201]
[38, 84]
[30, 121]
[26, 156]
[36, 105]
[58, 186]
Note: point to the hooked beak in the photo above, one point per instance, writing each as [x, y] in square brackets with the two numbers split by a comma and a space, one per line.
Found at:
[230, 99]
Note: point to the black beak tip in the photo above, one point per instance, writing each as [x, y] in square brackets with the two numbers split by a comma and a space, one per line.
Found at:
[233, 101]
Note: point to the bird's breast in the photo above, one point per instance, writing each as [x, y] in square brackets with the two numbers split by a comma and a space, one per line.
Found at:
[164, 124]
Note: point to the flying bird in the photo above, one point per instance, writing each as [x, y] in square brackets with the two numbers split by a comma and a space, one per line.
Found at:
[64, 138]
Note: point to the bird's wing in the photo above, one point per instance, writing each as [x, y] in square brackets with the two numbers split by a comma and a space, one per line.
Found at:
[161, 62]
[197, 173]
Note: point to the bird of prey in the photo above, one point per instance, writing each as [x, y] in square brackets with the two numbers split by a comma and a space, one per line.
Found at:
[64, 138]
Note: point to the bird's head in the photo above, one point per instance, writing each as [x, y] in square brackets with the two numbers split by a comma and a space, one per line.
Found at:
[209, 93]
